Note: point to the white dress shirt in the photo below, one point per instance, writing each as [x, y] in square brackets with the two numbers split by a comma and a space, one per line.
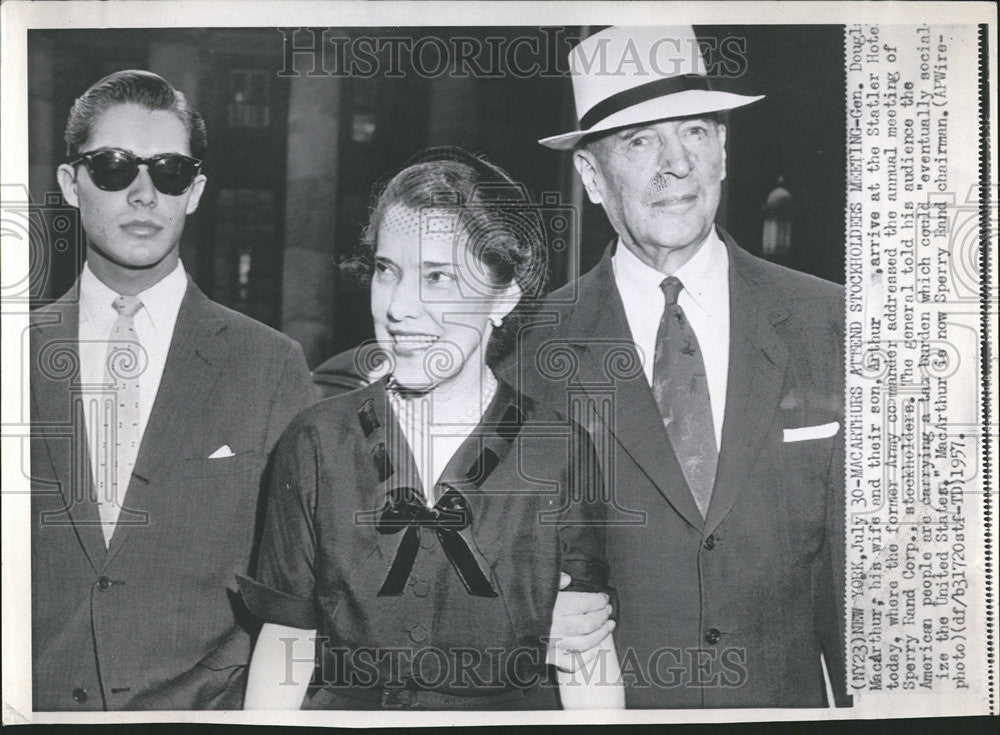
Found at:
[154, 326]
[704, 299]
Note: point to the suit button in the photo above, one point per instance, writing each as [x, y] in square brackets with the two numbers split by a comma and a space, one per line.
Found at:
[421, 588]
[712, 636]
[103, 583]
[80, 695]
[418, 634]
[710, 542]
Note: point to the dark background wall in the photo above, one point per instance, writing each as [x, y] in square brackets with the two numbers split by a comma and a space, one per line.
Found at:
[293, 158]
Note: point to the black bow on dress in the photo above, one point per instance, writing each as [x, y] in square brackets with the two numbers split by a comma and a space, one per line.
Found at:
[405, 509]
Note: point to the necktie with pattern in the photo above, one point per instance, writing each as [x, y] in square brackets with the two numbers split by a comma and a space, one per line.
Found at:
[681, 392]
[120, 433]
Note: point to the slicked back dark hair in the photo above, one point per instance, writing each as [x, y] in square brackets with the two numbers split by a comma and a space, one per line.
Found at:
[137, 87]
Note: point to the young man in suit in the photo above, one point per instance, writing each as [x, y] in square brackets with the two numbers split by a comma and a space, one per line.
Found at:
[714, 382]
[155, 410]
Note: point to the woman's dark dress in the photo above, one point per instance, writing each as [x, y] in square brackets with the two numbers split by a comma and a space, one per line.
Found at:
[464, 628]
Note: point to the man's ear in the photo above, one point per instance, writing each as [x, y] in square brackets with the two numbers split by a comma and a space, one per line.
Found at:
[722, 145]
[66, 177]
[195, 192]
[589, 169]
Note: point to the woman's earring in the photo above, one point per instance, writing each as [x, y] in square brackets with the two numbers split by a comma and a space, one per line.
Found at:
[496, 321]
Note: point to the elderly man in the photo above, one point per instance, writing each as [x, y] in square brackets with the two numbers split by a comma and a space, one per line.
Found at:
[155, 410]
[713, 381]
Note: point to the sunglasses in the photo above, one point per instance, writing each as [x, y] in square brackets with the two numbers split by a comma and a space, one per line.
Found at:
[114, 169]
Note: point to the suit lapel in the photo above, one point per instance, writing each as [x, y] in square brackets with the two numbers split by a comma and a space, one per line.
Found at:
[758, 359]
[196, 357]
[610, 368]
[59, 420]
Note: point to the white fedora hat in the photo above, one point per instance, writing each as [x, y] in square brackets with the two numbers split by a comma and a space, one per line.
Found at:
[629, 76]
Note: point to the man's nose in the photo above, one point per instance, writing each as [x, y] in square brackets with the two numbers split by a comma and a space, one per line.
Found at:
[674, 157]
[141, 190]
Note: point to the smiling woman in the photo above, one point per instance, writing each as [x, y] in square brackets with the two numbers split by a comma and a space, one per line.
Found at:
[419, 525]
[453, 248]
[416, 284]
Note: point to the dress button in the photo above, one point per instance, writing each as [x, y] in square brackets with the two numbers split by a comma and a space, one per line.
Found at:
[712, 636]
[418, 634]
[80, 695]
[103, 583]
[421, 588]
[710, 542]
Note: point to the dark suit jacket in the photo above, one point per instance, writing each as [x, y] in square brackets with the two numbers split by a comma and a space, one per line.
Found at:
[732, 610]
[153, 622]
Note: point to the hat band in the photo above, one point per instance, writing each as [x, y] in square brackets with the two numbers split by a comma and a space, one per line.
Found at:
[643, 93]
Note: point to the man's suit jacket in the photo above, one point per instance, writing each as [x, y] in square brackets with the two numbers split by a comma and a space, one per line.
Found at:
[732, 610]
[154, 620]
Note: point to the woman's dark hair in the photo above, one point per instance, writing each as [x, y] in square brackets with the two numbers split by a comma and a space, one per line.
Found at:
[137, 87]
[499, 225]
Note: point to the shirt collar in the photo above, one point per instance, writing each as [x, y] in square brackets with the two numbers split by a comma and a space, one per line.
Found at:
[705, 276]
[162, 300]
[96, 301]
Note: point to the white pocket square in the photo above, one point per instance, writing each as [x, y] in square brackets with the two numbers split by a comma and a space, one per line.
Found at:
[223, 451]
[803, 433]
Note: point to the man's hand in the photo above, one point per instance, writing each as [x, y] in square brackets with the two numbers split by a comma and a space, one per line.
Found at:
[580, 621]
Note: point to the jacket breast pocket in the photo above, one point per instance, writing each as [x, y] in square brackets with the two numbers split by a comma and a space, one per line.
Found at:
[204, 467]
[806, 468]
